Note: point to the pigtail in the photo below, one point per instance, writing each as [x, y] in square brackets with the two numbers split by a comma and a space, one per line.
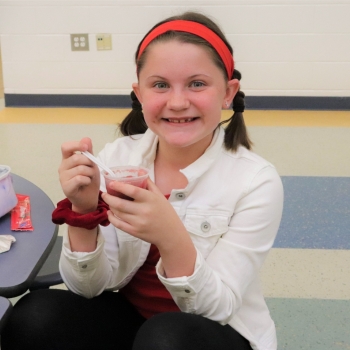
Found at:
[134, 123]
[236, 132]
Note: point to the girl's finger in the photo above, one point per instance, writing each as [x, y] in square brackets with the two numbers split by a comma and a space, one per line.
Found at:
[119, 223]
[80, 170]
[137, 193]
[77, 179]
[151, 186]
[69, 148]
[86, 142]
[120, 205]
[73, 185]
[75, 160]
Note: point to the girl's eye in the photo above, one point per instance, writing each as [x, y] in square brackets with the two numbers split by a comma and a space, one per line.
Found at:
[161, 85]
[197, 84]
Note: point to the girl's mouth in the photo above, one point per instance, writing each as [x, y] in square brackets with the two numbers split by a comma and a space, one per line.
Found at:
[179, 121]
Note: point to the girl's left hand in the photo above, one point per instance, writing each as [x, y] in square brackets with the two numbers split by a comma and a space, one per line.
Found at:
[149, 216]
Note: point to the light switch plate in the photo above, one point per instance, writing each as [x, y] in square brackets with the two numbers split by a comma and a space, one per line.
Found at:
[103, 41]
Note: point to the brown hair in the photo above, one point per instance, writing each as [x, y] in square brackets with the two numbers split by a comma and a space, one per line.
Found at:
[235, 133]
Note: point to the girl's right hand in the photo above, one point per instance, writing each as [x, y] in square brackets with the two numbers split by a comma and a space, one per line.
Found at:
[79, 176]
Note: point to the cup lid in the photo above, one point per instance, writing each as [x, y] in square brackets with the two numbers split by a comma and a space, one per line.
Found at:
[4, 171]
[125, 170]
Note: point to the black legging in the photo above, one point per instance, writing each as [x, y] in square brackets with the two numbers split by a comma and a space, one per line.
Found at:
[61, 320]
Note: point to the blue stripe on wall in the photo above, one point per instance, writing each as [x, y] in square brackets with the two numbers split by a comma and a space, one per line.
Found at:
[79, 101]
[124, 101]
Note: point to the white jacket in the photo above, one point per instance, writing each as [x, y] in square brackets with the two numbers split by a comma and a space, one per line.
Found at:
[231, 208]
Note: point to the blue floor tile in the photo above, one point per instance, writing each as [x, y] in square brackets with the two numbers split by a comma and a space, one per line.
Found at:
[316, 213]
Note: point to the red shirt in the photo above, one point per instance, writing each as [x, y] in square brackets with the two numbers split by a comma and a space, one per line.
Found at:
[146, 292]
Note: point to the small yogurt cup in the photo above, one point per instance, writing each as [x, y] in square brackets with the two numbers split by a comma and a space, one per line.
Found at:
[8, 198]
[132, 175]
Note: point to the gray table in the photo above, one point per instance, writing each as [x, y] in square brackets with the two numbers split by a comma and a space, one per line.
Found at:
[20, 265]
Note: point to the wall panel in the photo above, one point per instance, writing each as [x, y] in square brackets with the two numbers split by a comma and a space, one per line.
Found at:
[298, 76]
[282, 47]
[70, 75]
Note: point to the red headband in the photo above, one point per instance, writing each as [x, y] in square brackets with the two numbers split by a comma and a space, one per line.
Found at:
[196, 29]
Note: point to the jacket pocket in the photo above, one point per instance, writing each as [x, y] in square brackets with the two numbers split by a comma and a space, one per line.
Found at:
[206, 230]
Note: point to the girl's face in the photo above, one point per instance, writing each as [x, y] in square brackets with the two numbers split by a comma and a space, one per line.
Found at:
[182, 92]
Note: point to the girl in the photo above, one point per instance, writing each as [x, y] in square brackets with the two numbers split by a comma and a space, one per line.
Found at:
[185, 254]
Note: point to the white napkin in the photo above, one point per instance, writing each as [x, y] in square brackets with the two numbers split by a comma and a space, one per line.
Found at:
[5, 242]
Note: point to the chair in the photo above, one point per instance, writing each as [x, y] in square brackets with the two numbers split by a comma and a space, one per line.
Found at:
[5, 310]
[49, 274]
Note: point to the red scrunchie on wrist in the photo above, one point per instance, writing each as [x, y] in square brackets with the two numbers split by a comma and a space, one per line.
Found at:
[63, 214]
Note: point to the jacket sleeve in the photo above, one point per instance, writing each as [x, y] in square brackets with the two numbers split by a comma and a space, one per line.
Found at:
[116, 256]
[89, 274]
[219, 282]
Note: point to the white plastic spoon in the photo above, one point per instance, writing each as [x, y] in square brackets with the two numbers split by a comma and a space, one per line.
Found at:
[98, 162]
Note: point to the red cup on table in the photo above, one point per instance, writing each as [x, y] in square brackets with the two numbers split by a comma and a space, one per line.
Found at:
[132, 175]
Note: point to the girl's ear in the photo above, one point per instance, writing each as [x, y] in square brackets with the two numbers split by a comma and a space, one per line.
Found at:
[231, 91]
[136, 88]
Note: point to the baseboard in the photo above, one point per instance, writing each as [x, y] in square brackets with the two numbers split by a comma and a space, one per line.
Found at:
[124, 101]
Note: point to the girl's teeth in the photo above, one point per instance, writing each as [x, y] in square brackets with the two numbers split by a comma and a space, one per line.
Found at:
[181, 120]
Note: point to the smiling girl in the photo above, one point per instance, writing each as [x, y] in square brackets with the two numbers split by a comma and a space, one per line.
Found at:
[185, 254]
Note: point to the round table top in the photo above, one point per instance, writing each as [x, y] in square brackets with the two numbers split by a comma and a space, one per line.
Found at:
[20, 265]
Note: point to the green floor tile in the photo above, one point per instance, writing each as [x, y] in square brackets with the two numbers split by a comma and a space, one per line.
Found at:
[311, 324]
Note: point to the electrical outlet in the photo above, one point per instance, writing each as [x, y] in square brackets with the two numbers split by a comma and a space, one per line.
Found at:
[104, 41]
[79, 42]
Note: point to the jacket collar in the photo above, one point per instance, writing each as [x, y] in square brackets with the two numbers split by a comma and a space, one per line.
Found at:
[145, 153]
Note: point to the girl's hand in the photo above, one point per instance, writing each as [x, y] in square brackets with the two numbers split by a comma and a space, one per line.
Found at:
[149, 216]
[79, 177]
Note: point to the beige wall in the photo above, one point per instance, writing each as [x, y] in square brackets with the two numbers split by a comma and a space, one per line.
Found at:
[282, 47]
[1, 79]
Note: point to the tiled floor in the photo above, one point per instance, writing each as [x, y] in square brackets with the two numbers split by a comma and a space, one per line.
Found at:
[306, 278]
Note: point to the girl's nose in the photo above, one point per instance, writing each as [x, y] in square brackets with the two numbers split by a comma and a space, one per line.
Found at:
[178, 101]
